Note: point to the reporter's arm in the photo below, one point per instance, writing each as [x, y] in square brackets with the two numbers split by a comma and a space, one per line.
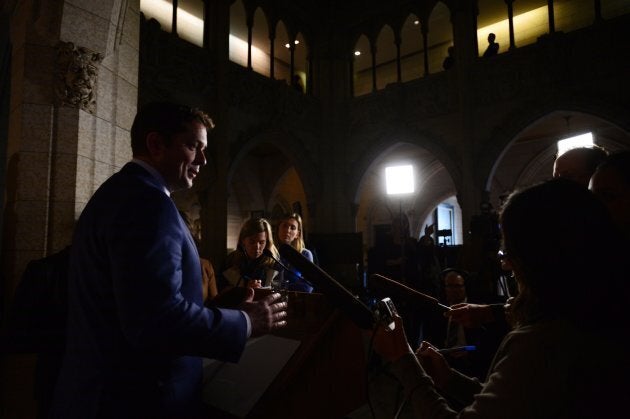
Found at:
[419, 389]
[471, 315]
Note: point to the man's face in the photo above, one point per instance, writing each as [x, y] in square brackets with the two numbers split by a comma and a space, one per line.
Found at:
[455, 289]
[180, 161]
[572, 165]
[288, 230]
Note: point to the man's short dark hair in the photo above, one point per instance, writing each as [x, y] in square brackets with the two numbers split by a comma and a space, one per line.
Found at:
[165, 118]
[592, 155]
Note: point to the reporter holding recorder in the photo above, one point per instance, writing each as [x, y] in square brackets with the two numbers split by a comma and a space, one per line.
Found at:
[564, 356]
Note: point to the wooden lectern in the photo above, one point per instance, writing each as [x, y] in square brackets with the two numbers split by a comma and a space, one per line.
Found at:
[323, 374]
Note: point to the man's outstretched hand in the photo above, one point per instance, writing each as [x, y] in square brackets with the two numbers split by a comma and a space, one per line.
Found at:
[267, 314]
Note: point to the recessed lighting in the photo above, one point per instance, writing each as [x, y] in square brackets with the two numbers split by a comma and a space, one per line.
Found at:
[357, 53]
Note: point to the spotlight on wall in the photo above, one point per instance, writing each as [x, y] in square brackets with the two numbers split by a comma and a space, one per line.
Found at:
[582, 140]
[399, 179]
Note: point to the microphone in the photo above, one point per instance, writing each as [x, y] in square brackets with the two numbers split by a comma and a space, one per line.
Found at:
[338, 294]
[269, 254]
[388, 286]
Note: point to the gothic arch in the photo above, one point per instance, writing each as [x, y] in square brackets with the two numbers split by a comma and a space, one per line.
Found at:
[261, 44]
[291, 147]
[439, 34]
[527, 114]
[388, 141]
[412, 57]
[362, 66]
[432, 183]
[385, 57]
[282, 54]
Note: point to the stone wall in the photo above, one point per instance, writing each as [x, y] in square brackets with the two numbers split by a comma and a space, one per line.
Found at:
[74, 79]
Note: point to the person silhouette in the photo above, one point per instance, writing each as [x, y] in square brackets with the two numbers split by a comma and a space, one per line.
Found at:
[493, 47]
[296, 83]
[449, 60]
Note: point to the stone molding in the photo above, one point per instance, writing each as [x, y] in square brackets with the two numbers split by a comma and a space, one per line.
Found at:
[77, 73]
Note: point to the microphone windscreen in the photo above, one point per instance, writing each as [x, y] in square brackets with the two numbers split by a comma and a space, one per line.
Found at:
[277, 265]
[337, 293]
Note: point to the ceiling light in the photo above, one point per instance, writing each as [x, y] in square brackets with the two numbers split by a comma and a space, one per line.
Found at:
[296, 42]
[287, 45]
[416, 22]
[357, 53]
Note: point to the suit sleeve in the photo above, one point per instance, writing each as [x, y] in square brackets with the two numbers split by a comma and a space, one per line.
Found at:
[158, 289]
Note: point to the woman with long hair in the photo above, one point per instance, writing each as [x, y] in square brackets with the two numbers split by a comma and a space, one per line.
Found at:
[248, 265]
[290, 232]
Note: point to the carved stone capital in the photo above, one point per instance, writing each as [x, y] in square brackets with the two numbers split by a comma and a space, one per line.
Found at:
[77, 71]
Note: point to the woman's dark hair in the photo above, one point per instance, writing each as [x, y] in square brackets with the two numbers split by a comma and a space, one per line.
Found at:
[565, 250]
[250, 227]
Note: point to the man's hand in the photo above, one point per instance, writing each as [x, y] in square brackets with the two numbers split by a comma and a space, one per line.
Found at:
[267, 314]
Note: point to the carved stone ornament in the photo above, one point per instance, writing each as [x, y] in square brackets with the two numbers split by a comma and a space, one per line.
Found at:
[76, 76]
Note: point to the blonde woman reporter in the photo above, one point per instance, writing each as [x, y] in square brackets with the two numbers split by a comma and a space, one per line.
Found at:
[290, 232]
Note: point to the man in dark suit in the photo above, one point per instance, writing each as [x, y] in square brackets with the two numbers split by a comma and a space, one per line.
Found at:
[137, 326]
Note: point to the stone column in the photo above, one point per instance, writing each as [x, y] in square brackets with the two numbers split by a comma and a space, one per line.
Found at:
[463, 18]
[73, 97]
[74, 79]
[334, 209]
[213, 197]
